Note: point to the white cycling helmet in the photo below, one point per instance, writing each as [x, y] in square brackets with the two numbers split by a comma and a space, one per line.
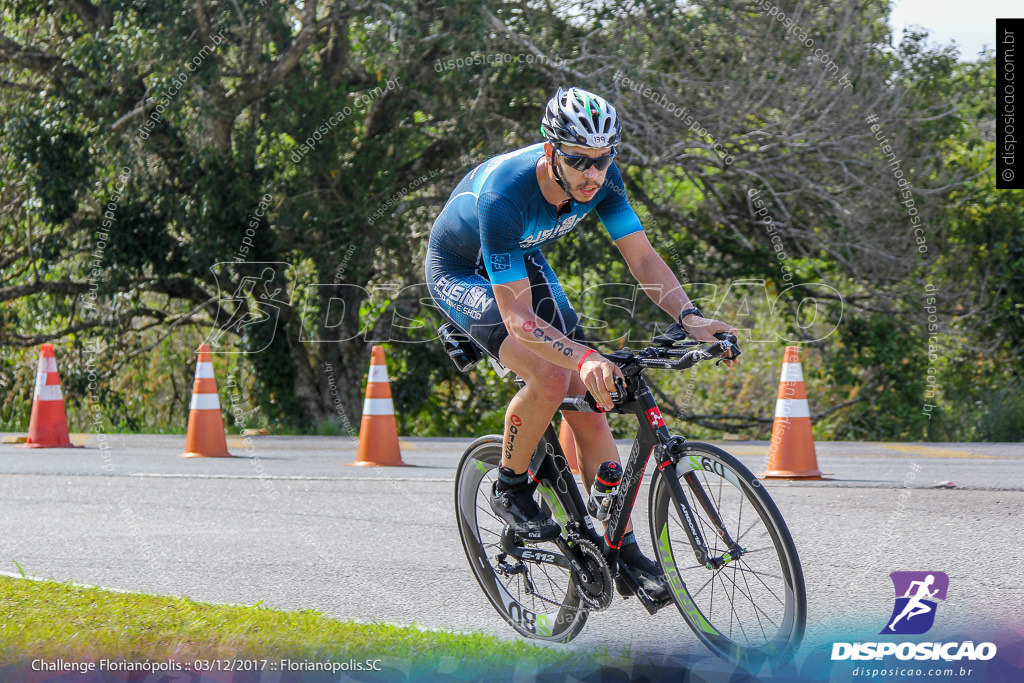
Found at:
[581, 118]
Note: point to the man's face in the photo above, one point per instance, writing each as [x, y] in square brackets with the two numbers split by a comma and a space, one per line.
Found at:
[583, 185]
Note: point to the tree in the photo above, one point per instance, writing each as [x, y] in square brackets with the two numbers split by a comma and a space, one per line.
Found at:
[175, 155]
[169, 141]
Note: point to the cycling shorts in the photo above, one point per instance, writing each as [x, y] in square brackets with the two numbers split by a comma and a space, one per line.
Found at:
[464, 296]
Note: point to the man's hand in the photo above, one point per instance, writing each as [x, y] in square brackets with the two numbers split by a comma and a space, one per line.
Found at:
[705, 329]
[598, 374]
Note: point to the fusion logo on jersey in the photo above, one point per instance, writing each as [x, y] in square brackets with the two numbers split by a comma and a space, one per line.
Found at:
[468, 300]
[913, 613]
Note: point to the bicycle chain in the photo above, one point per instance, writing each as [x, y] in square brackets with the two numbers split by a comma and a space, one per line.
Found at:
[598, 604]
[560, 605]
[534, 593]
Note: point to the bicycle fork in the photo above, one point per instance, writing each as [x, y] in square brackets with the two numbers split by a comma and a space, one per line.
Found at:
[693, 532]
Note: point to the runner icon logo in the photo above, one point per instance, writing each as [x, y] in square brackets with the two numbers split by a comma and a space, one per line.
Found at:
[917, 594]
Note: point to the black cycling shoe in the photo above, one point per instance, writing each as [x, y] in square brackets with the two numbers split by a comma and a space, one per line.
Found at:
[651, 578]
[518, 508]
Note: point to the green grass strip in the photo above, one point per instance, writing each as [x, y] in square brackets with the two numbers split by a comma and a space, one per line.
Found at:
[45, 619]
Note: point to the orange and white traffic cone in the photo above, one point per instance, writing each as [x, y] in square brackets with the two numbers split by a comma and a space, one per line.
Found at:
[378, 433]
[791, 455]
[205, 436]
[48, 425]
[568, 443]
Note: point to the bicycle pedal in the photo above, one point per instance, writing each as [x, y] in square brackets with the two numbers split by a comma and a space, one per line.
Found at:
[657, 605]
[651, 605]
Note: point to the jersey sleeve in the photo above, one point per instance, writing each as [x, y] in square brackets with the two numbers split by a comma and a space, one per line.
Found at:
[614, 210]
[501, 229]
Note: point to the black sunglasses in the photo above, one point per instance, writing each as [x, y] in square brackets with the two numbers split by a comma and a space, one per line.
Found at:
[583, 163]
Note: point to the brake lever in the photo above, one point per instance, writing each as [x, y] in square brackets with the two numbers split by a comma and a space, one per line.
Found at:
[730, 341]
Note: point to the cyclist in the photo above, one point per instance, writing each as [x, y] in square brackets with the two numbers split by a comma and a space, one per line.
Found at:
[486, 274]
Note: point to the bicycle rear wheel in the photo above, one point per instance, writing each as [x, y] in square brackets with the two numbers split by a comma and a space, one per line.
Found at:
[537, 600]
[753, 608]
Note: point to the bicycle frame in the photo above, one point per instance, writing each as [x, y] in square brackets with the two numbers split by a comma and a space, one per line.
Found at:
[653, 438]
[673, 498]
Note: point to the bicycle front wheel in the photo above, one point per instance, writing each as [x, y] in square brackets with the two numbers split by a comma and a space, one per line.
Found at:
[537, 600]
[748, 609]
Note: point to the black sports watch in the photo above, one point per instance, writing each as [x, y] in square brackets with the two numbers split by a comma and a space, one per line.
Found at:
[689, 311]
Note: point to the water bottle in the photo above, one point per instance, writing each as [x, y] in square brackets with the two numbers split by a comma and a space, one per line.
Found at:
[609, 474]
[460, 348]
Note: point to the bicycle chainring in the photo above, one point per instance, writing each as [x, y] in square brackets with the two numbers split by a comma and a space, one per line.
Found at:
[597, 594]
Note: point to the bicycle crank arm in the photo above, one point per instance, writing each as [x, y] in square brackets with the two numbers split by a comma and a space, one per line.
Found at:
[590, 572]
[571, 561]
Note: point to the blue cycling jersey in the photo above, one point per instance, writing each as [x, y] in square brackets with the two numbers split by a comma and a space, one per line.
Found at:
[497, 214]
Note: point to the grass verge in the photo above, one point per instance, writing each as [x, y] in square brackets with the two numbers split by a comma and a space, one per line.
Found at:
[47, 620]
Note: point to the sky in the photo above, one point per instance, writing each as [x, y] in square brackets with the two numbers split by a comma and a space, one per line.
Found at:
[971, 23]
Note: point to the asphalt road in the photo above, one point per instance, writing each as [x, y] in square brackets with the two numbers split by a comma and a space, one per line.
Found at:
[289, 524]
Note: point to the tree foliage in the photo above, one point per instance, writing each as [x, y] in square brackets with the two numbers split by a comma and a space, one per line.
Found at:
[149, 146]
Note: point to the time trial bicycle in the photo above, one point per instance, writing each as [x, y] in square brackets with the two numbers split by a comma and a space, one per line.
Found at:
[726, 552]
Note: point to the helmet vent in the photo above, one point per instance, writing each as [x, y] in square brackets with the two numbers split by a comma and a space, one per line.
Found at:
[577, 117]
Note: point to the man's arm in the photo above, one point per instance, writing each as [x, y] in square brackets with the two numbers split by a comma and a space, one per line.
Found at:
[655, 277]
[515, 302]
[661, 285]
